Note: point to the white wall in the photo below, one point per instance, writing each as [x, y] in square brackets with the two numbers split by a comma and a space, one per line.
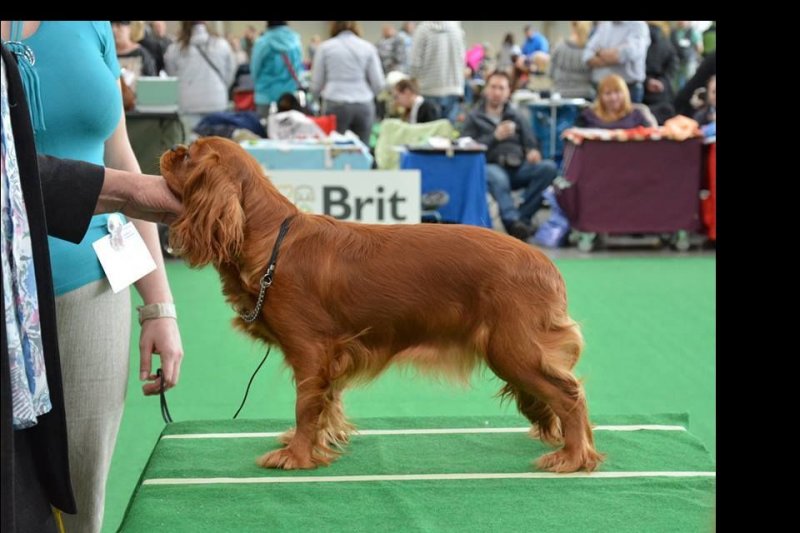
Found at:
[491, 31]
[476, 31]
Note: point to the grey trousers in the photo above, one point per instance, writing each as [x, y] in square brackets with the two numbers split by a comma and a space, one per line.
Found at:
[94, 330]
[357, 117]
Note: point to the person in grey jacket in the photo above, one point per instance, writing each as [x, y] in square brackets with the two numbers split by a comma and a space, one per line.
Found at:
[437, 63]
[347, 73]
[619, 47]
[513, 159]
[205, 66]
[572, 77]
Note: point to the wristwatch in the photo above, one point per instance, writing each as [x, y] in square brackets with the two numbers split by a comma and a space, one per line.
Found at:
[160, 310]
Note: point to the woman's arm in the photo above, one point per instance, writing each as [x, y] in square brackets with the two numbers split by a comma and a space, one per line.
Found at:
[159, 335]
[318, 71]
[375, 74]
[257, 59]
[99, 190]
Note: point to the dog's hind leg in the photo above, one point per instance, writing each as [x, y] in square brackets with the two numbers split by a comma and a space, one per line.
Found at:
[334, 429]
[566, 397]
[545, 425]
[541, 369]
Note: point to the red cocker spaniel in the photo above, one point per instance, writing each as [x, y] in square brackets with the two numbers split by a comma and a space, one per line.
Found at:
[348, 299]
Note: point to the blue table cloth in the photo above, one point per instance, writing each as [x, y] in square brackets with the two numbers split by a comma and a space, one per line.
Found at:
[462, 175]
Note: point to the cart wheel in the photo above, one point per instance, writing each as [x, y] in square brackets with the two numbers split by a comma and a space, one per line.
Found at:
[586, 242]
[681, 241]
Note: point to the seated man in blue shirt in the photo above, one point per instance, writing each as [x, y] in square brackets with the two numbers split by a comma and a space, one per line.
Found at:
[513, 160]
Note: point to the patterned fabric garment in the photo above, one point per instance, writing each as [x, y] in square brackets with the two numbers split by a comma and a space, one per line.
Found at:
[30, 79]
[677, 128]
[29, 391]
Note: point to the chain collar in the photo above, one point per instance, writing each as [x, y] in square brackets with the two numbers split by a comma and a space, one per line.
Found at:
[266, 279]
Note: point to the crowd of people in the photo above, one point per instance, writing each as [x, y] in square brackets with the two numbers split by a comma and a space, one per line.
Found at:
[62, 98]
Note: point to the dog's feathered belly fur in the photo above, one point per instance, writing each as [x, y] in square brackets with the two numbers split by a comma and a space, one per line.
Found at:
[349, 299]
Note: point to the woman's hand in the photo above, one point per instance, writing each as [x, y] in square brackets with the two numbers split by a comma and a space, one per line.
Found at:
[160, 336]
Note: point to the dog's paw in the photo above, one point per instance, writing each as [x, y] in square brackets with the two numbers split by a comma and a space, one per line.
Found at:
[287, 459]
[286, 437]
[563, 462]
[337, 438]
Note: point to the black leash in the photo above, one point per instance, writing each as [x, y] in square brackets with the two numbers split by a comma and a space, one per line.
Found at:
[265, 282]
[164, 409]
[247, 391]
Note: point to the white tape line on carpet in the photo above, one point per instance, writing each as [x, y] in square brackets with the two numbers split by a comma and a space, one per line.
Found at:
[417, 477]
[443, 431]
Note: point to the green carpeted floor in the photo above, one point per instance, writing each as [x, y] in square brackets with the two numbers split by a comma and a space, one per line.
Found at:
[467, 480]
[650, 331]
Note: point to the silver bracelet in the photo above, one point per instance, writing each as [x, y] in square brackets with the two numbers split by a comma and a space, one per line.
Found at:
[160, 310]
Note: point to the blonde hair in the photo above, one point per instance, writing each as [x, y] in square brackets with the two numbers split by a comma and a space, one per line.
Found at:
[666, 29]
[137, 30]
[541, 60]
[581, 29]
[185, 34]
[612, 82]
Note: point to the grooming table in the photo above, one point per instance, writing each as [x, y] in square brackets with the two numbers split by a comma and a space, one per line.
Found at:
[428, 474]
[309, 154]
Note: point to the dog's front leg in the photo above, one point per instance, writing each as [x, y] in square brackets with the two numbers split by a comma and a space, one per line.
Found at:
[299, 453]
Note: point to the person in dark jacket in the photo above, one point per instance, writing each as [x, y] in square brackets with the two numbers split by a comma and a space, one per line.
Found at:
[156, 41]
[35, 460]
[513, 159]
[416, 108]
[708, 113]
[661, 66]
[707, 68]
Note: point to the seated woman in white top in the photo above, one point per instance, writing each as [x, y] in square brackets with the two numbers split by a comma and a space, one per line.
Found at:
[416, 109]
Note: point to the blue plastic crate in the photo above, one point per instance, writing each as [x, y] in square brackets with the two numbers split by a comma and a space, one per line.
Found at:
[542, 125]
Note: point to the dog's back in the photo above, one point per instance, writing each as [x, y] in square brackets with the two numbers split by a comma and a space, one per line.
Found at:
[434, 295]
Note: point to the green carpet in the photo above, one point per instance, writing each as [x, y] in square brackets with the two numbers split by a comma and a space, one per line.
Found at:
[347, 504]
[649, 326]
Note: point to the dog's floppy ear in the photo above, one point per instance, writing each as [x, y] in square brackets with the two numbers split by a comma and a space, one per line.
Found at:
[211, 229]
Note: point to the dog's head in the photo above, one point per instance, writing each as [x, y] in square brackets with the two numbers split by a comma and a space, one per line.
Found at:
[208, 176]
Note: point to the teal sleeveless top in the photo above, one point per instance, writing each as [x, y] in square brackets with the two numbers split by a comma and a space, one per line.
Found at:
[81, 104]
